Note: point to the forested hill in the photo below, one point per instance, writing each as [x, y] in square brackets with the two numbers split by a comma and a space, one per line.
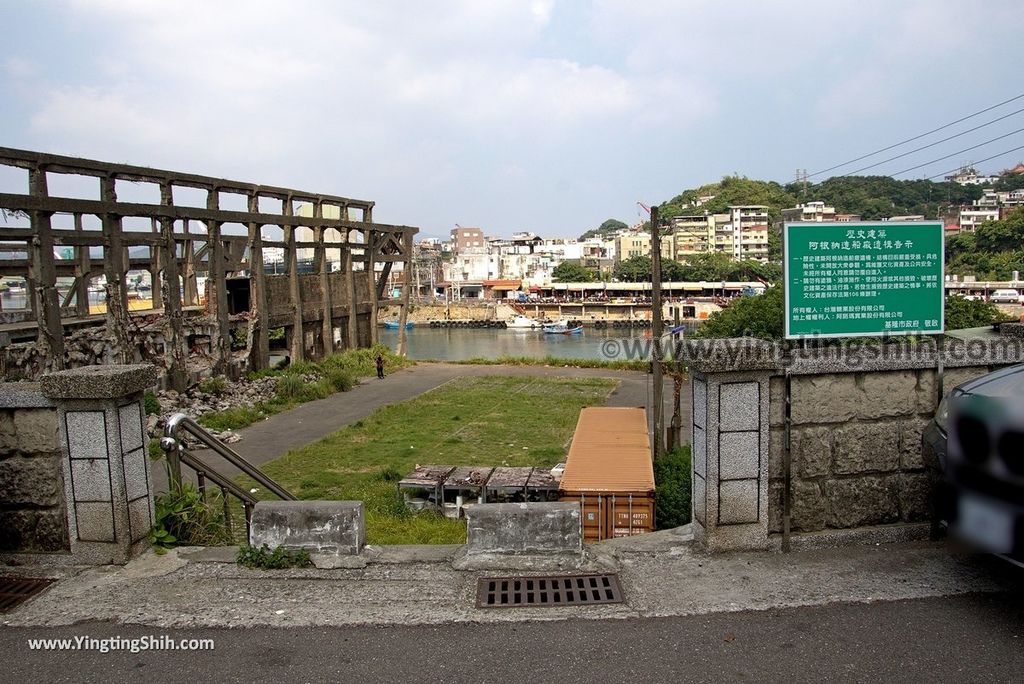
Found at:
[873, 197]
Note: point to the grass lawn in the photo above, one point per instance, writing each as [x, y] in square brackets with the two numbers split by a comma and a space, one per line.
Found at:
[490, 420]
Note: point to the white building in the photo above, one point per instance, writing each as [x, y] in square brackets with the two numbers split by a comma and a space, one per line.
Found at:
[972, 217]
[749, 227]
[967, 175]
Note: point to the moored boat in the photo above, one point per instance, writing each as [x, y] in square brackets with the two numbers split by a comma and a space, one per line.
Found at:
[393, 325]
[523, 323]
[564, 328]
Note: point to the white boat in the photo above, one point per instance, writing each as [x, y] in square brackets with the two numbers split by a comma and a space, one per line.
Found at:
[523, 323]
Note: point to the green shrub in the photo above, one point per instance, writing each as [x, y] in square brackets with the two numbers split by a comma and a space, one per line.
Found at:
[184, 518]
[155, 452]
[290, 386]
[263, 558]
[215, 385]
[966, 313]
[672, 488]
[275, 334]
[302, 368]
[341, 380]
[150, 403]
[388, 474]
[232, 419]
[320, 389]
[758, 316]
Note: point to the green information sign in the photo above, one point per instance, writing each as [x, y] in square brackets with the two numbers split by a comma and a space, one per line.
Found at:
[861, 279]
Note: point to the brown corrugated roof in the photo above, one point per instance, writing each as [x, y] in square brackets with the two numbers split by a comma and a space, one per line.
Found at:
[610, 452]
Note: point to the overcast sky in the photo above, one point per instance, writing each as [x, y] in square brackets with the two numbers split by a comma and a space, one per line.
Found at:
[509, 115]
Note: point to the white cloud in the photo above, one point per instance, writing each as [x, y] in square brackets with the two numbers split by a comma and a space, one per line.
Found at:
[438, 109]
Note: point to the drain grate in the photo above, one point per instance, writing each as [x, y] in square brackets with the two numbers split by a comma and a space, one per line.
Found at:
[14, 590]
[549, 590]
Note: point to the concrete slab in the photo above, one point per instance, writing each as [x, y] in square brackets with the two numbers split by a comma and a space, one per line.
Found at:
[660, 577]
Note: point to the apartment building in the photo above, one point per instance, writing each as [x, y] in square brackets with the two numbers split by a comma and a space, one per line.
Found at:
[749, 228]
[741, 233]
[639, 244]
[693, 234]
[467, 239]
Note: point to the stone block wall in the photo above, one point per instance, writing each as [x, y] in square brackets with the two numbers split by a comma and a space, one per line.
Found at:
[855, 447]
[856, 417]
[33, 515]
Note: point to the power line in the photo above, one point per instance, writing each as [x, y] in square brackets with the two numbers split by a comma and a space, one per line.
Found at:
[967, 149]
[938, 142]
[917, 137]
[979, 161]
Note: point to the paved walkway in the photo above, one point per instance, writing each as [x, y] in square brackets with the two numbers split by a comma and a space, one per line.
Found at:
[274, 437]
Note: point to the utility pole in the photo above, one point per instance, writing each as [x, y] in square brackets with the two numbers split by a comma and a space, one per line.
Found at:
[657, 447]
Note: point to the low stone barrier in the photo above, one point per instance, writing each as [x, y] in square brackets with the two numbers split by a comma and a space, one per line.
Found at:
[542, 528]
[322, 527]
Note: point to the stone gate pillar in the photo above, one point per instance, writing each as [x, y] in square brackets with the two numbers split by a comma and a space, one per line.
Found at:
[729, 380]
[105, 462]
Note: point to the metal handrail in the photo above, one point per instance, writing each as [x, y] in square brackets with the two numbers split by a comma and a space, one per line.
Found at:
[172, 443]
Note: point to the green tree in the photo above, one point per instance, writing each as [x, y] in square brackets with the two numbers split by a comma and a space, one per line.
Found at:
[571, 272]
[609, 227]
[993, 252]
[1002, 236]
[758, 316]
[967, 313]
[1010, 181]
[636, 269]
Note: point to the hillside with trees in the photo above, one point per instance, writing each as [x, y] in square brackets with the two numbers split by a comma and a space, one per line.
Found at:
[873, 197]
[876, 197]
[609, 227]
[731, 190]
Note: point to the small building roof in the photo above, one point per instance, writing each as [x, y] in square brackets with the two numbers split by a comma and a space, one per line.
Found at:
[426, 476]
[509, 478]
[541, 479]
[610, 452]
[468, 477]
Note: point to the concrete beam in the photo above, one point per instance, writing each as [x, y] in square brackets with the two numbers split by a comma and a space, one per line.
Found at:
[322, 527]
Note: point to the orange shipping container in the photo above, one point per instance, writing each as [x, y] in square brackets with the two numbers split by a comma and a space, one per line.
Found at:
[609, 472]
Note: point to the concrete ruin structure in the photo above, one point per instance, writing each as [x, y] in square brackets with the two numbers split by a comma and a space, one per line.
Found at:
[223, 233]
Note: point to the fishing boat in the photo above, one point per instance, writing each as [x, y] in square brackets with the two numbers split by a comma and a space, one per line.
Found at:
[393, 325]
[564, 328]
[523, 323]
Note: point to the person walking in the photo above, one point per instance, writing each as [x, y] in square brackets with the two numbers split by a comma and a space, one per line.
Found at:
[380, 366]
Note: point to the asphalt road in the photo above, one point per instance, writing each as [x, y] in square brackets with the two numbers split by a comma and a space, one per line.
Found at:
[966, 638]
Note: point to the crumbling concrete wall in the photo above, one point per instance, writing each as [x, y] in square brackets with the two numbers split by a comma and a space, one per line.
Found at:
[33, 517]
[93, 346]
[541, 528]
[323, 527]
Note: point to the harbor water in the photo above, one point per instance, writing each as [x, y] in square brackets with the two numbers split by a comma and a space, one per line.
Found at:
[460, 344]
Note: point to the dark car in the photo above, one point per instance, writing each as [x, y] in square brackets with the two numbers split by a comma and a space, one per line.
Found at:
[974, 448]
